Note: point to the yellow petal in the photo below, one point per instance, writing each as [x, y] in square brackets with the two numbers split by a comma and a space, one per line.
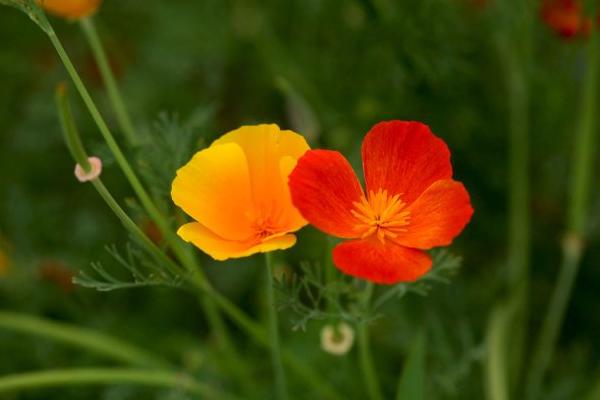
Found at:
[214, 189]
[222, 249]
[265, 146]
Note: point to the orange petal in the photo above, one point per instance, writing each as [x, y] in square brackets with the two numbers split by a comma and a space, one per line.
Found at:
[72, 9]
[214, 189]
[222, 249]
[388, 263]
[324, 188]
[404, 158]
[271, 155]
[437, 216]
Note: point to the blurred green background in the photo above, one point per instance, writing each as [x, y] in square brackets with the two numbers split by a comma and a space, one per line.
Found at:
[330, 70]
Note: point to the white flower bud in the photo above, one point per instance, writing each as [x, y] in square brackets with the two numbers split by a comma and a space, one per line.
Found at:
[337, 342]
[95, 172]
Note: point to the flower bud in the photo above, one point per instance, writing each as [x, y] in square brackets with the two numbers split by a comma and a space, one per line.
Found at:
[83, 176]
[337, 340]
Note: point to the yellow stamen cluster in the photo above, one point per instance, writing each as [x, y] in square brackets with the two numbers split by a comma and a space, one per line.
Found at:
[381, 214]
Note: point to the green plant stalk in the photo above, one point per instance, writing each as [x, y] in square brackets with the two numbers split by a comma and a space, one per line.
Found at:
[73, 140]
[137, 186]
[573, 242]
[496, 368]
[77, 149]
[364, 348]
[104, 376]
[80, 337]
[509, 317]
[280, 382]
[114, 94]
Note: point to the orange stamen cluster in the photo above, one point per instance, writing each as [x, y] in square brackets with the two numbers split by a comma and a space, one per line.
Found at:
[381, 215]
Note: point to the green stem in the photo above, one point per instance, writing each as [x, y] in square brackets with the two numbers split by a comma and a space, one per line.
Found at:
[89, 29]
[187, 260]
[80, 337]
[582, 169]
[73, 140]
[69, 128]
[496, 360]
[509, 317]
[365, 357]
[259, 335]
[280, 384]
[551, 327]
[136, 184]
[104, 376]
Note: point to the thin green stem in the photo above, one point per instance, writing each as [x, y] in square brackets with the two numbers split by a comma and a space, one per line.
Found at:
[104, 376]
[137, 186]
[114, 94]
[582, 169]
[187, 260]
[509, 316]
[365, 357]
[75, 145]
[79, 337]
[546, 342]
[280, 383]
[69, 128]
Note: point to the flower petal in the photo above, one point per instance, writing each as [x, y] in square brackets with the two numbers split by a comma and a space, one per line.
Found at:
[324, 188]
[291, 218]
[437, 216]
[222, 249]
[404, 158]
[71, 9]
[265, 146]
[214, 189]
[380, 263]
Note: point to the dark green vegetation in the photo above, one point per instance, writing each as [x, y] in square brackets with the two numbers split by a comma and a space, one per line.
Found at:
[486, 79]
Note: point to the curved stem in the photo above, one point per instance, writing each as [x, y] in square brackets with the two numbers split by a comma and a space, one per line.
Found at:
[114, 94]
[105, 376]
[80, 337]
[365, 357]
[137, 186]
[280, 383]
[186, 259]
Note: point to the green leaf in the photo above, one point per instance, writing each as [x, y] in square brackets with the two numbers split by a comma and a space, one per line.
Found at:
[412, 381]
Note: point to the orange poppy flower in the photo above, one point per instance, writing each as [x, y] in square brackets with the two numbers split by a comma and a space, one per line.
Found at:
[237, 192]
[411, 202]
[566, 18]
[70, 9]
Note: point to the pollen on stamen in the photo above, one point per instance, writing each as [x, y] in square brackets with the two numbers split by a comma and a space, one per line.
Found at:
[381, 215]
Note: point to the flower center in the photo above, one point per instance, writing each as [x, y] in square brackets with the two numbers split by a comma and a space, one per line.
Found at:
[265, 222]
[381, 215]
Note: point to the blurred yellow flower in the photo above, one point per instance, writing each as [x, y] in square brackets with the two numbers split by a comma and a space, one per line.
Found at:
[237, 191]
[70, 9]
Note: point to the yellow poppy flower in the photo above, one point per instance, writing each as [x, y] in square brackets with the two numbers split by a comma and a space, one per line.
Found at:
[70, 9]
[237, 192]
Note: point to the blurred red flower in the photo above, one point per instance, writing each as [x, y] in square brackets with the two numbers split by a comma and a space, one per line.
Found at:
[412, 203]
[566, 18]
